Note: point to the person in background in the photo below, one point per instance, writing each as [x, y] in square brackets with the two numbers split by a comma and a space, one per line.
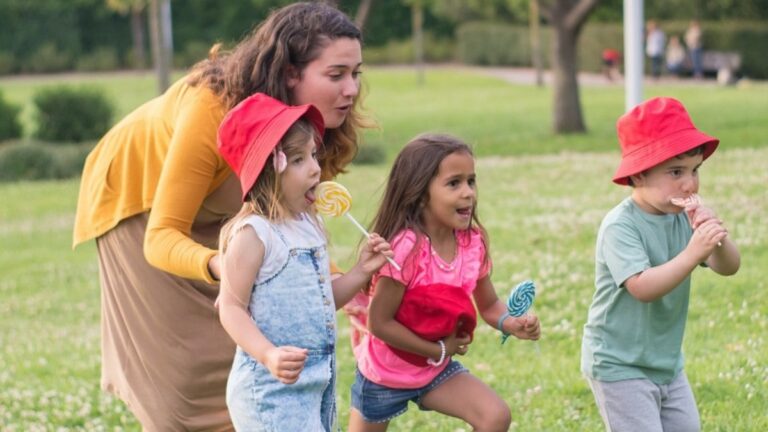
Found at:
[611, 59]
[155, 192]
[694, 42]
[655, 41]
[675, 56]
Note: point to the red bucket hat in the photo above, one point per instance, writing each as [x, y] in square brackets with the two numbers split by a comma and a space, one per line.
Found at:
[253, 128]
[654, 131]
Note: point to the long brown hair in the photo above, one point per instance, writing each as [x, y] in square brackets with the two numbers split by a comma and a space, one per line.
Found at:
[264, 197]
[288, 39]
[407, 191]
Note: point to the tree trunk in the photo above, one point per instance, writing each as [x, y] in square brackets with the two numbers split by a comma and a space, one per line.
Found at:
[417, 23]
[536, 41]
[567, 18]
[362, 13]
[161, 50]
[567, 104]
[137, 35]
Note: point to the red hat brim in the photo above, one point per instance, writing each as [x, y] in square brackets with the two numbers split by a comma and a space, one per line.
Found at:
[662, 149]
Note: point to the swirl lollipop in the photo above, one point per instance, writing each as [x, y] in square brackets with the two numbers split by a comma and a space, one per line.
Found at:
[518, 303]
[333, 199]
[685, 202]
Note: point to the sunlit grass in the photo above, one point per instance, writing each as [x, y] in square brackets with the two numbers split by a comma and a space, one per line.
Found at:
[541, 197]
[542, 212]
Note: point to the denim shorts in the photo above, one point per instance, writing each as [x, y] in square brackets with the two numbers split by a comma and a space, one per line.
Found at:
[379, 404]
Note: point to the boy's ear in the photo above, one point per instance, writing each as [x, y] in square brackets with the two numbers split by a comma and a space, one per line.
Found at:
[637, 179]
[292, 76]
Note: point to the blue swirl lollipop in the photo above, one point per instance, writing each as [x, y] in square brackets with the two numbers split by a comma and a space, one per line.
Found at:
[518, 303]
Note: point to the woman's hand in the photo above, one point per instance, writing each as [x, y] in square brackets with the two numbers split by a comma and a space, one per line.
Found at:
[285, 363]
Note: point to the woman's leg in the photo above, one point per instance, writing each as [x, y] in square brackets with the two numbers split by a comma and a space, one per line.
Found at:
[466, 397]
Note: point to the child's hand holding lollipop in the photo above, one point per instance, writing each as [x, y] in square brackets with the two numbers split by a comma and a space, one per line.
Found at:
[518, 303]
[696, 212]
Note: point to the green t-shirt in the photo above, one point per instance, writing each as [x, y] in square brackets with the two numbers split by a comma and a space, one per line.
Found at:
[625, 338]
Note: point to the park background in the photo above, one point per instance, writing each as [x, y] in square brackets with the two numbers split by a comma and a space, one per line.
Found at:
[542, 196]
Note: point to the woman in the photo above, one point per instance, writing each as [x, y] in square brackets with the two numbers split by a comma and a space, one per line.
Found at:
[155, 192]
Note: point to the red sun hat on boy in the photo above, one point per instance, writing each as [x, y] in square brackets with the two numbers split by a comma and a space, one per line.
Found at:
[654, 131]
[253, 128]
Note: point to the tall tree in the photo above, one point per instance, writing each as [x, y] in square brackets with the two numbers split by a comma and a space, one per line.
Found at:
[567, 18]
[136, 10]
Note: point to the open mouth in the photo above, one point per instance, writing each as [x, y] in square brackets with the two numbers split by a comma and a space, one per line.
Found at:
[310, 195]
[464, 211]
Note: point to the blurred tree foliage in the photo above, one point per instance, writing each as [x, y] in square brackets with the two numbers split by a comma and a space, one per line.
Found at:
[74, 28]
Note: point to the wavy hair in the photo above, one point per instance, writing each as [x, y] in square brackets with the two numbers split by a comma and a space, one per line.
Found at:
[288, 39]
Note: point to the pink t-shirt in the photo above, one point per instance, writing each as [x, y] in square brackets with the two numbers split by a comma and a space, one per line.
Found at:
[375, 359]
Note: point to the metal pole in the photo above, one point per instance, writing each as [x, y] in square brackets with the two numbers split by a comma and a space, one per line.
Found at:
[633, 52]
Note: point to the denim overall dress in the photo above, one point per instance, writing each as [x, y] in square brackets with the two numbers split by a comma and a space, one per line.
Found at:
[293, 307]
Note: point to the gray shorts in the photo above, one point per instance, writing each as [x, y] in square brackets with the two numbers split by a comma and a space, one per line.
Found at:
[640, 405]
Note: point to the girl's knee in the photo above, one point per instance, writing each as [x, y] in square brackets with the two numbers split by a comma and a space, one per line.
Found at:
[495, 417]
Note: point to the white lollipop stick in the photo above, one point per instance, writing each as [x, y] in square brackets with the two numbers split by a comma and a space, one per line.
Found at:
[363, 230]
[333, 199]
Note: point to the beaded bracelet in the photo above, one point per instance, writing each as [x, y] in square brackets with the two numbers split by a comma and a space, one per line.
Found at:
[432, 362]
[500, 324]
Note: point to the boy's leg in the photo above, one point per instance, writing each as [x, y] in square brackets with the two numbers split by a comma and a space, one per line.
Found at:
[629, 405]
[471, 400]
[678, 407]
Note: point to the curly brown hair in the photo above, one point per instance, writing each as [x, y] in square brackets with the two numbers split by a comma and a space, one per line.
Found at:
[288, 39]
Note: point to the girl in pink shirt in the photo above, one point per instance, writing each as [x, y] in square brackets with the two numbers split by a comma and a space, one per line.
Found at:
[421, 316]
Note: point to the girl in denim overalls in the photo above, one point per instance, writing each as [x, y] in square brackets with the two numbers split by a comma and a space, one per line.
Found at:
[277, 301]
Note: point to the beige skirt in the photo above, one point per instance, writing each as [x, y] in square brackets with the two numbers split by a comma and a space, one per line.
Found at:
[164, 352]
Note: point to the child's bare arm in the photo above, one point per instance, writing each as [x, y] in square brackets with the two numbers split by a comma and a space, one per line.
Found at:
[241, 264]
[381, 322]
[656, 282]
[725, 259]
[491, 309]
[372, 257]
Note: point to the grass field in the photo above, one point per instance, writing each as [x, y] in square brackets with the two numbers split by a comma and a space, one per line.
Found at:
[541, 198]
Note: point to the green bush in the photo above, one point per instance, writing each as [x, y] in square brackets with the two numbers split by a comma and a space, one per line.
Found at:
[70, 114]
[71, 158]
[7, 63]
[370, 154]
[101, 59]
[21, 160]
[48, 58]
[193, 52]
[493, 44]
[24, 161]
[401, 52]
[10, 125]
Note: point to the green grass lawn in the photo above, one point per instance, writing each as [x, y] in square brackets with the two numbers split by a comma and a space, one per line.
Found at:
[541, 198]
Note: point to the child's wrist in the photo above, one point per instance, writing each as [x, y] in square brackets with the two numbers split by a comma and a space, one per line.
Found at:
[433, 362]
[500, 323]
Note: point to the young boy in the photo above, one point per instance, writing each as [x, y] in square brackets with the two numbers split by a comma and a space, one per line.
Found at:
[647, 248]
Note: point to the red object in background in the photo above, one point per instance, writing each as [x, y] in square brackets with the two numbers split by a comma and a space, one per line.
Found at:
[611, 55]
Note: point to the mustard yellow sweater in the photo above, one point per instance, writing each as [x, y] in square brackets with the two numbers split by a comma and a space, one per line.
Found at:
[162, 156]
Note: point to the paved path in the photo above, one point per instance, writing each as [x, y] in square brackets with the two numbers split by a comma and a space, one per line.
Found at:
[528, 76]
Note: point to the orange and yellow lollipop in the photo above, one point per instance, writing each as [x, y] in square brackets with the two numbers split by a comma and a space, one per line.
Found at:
[333, 199]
